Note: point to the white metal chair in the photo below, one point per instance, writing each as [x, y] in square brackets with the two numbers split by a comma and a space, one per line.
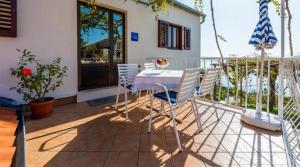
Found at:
[184, 94]
[149, 66]
[207, 86]
[127, 73]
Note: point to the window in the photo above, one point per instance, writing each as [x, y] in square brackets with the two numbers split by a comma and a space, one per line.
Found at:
[8, 18]
[173, 36]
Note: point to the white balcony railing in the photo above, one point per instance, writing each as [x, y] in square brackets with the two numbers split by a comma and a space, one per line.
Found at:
[238, 87]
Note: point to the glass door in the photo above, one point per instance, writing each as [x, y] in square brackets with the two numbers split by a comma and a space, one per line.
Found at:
[101, 46]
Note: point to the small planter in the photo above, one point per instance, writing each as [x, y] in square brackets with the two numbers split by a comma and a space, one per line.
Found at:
[42, 109]
[36, 82]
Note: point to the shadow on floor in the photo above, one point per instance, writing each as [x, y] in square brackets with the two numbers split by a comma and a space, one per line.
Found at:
[80, 135]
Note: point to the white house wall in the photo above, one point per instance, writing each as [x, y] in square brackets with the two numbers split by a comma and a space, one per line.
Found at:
[49, 29]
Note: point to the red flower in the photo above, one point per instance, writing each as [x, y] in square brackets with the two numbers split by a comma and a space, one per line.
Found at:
[26, 71]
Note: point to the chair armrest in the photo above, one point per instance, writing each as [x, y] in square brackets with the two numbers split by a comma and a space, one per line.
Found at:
[165, 90]
[163, 87]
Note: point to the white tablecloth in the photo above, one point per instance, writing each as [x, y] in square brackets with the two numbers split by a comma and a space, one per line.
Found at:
[146, 79]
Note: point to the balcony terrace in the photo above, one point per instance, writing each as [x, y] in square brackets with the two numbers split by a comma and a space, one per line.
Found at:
[83, 135]
[80, 135]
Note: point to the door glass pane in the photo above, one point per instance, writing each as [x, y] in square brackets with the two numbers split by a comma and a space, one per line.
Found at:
[118, 38]
[94, 35]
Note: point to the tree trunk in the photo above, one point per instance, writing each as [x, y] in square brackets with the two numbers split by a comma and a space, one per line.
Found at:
[272, 85]
[289, 27]
[216, 35]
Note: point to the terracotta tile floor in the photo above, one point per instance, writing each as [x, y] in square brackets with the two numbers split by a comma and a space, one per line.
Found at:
[80, 135]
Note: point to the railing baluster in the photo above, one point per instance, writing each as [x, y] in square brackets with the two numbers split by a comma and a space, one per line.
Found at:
[268, 86]
[257, 62]
[237, 81]
[227, 66]
[220, 85]
[246, 95]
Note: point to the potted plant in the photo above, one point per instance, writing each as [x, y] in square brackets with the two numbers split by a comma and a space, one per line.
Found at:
[36, 81]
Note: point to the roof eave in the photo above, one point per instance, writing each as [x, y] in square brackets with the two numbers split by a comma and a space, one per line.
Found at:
[183, 7]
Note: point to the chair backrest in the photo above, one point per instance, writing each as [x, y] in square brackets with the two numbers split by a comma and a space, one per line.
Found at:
[209, 80]
[128, 71]
[187, 84]
[149, 66]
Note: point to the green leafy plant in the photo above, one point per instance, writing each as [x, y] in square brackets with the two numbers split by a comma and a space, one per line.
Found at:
[34, 84]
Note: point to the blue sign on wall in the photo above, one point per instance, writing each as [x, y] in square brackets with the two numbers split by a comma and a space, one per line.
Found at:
[134, 36]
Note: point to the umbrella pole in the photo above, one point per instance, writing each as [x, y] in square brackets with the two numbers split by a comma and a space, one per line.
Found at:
[261, 78]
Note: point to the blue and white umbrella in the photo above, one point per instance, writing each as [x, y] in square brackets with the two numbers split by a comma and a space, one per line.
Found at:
[263, 38]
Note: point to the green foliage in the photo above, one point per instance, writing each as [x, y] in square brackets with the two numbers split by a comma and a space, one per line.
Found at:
[93, 18]
[159, 5]
[36, 84]
[251, 102]
[237, 76]
[276, 3]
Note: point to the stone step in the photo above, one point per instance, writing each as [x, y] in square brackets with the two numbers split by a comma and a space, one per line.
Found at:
[5, 163]
[6, 156]
[8, 123]
[8, 126]
[7, 131]
[7, 141]
[7, 153]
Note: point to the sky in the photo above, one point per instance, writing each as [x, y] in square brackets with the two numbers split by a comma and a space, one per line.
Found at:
[236, 21]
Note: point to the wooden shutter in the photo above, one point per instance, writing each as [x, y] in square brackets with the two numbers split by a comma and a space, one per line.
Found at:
[187, 38]
[182, 38]
[8, 18]
[162, 34]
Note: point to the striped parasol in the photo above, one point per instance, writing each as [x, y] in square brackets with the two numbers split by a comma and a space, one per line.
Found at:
[263, 36]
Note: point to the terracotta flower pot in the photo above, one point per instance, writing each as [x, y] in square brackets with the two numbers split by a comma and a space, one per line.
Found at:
[42, 109]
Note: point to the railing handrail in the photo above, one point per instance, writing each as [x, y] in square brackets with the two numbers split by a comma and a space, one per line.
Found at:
[230, 58]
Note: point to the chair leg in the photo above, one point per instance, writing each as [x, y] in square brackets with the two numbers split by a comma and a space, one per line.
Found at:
[117, 99]
[163, 106]
[175, 129]
[196, 113]
[216, 112]
[140, 92]
[126, 108]
[150, 114]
